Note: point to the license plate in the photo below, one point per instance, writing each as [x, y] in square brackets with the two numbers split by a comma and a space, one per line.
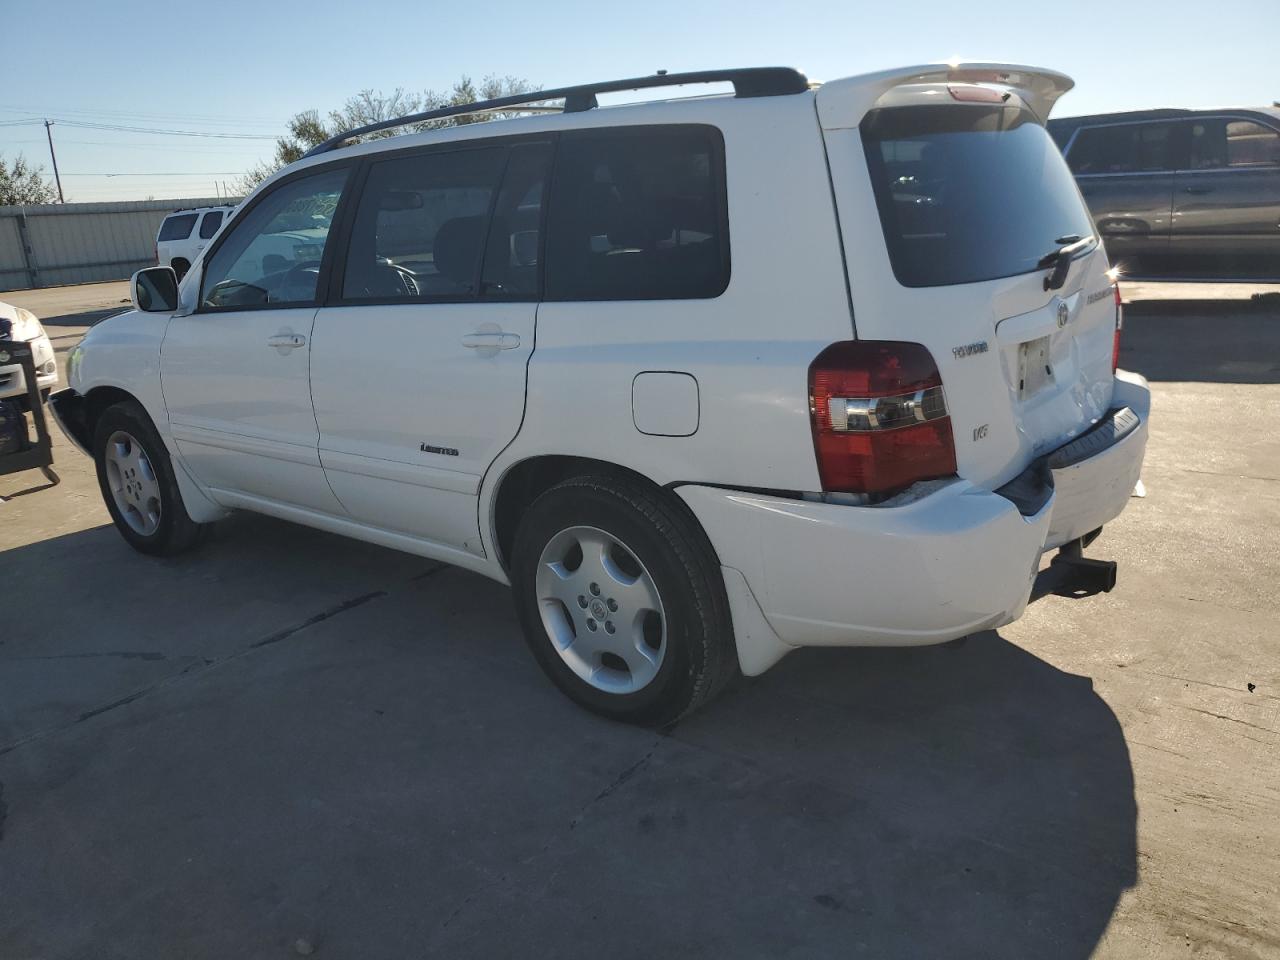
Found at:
[1034, 369]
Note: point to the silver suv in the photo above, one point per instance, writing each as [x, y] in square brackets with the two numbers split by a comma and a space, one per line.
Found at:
[1193, 194]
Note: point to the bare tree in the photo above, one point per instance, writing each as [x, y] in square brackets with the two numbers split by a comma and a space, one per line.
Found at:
[21, 183]
[308, 129]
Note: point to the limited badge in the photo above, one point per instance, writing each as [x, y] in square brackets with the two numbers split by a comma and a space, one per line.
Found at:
[969, 349]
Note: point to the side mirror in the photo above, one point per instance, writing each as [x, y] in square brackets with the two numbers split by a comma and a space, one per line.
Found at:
[154, 290]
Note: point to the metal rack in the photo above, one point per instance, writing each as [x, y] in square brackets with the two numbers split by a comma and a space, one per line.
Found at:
[38, 455]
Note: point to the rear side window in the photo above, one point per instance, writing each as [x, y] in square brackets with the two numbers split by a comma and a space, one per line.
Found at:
[420, 226]
[177, 228]
[210, 224]
[638, 214]
[1218, 143]
[969, 193]
[1124, 148]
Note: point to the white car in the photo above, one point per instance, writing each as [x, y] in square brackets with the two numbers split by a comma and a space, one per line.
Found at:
[19, 324]
[704, 380]
[184, 233]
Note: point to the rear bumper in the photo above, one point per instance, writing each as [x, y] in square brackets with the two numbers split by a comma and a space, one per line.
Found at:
[953, 561]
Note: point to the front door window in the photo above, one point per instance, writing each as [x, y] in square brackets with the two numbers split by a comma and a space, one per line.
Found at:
[272, 256]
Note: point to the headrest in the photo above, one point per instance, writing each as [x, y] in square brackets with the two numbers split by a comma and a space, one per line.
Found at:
[457, 249]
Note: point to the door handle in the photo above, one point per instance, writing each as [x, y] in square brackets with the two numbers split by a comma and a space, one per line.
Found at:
[491, 341]
[284, 342]
[1198, 190]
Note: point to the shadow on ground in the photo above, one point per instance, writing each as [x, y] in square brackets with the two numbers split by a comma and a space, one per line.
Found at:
[1216, 341]
[207, 768]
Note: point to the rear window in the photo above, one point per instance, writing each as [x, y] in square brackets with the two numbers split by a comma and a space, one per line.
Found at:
[969, 193]
[210, 224]
[178, 228]
[638, 214]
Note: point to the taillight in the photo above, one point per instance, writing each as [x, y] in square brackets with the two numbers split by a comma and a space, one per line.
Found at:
[879, 417]
[1115, 340]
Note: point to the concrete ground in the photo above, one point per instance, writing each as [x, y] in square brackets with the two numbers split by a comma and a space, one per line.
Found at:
[290, 742]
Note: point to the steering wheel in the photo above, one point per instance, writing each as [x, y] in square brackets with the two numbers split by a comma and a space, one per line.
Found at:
[299, 281]
[402, 278]
[407, 280]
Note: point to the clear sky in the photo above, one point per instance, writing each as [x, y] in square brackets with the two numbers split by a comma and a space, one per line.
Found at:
[242, 67]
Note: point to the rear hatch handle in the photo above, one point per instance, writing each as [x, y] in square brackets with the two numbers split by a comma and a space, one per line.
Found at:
[1070, 247]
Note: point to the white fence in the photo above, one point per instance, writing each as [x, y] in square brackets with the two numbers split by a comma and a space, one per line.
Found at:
[58, 243]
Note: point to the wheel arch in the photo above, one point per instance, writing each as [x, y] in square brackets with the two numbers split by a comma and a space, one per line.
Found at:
[200, 507]
[78, 413]
[522, 482]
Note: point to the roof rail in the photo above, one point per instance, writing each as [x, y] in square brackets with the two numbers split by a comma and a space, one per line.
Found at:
[747, 82]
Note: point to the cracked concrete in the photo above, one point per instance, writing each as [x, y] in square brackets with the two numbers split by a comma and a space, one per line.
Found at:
[291, 737]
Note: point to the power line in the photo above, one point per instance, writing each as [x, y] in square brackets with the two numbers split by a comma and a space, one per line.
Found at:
[171, 133]
[195, 118]
[230, 151]
[85, 124]
[197, 173]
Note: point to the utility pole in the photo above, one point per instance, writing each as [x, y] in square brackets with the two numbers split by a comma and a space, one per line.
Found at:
[57, 179]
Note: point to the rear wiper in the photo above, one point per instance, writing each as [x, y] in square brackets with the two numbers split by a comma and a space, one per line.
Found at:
[1061, 258]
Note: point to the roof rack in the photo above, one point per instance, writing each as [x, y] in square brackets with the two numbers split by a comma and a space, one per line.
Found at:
[747, 82]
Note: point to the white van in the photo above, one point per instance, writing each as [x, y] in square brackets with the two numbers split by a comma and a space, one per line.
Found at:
[705, 380]
[184, 233]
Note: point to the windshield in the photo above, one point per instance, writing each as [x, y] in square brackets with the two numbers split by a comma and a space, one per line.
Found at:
[969, 193]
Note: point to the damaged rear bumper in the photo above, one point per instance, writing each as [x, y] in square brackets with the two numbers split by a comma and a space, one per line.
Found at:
[958, 560]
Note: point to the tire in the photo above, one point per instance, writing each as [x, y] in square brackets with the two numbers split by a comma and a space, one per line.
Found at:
[180, 267]
[138, 484]
[658, 578]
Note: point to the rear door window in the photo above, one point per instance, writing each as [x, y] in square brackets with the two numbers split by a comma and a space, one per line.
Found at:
[969, 193]
[1124, 148]
[638, 213]
[210, 224]
[178, 228]
[420, 226]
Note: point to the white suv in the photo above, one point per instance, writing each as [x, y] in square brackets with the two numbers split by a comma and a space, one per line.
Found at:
[184, 233]
[704, 380]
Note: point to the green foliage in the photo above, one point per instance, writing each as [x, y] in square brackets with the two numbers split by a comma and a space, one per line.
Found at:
[20, 183]
[308, 129]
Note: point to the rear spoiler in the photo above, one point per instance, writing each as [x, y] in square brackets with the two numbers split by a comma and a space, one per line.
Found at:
[843, 103]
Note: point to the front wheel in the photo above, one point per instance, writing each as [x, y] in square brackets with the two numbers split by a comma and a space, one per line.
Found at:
[622, 600]
[138, 483]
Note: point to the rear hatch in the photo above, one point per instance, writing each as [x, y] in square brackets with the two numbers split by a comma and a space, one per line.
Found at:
[957, 207]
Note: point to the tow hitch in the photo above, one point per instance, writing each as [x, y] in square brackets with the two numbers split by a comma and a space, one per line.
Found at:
[1072, 574]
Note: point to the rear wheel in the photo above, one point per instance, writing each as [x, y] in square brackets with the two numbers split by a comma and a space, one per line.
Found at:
[180, 266]
[138, 483]
[622, 600]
